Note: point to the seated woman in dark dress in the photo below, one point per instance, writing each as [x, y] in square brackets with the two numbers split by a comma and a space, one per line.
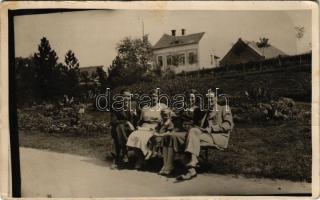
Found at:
[175, 141]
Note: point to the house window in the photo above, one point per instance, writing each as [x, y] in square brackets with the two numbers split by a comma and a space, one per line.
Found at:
[169, 60]
[182, 59]
[175, 60]
[160, 62]
[192, 57]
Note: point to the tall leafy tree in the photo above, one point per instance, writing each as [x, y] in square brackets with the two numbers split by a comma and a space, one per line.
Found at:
[116, 72]
[132, 62]
[47, 72]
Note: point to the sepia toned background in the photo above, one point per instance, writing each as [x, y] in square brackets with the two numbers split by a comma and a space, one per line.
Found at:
[265, 145]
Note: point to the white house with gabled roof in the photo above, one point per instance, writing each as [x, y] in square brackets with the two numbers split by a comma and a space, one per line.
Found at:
[182, 53]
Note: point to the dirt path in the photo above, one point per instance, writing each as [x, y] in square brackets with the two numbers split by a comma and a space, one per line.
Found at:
[46, 173]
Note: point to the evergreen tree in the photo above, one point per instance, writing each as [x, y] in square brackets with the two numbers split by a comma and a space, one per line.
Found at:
[84, 77]
[102, 75]
[48, 74]
[72, 75]
[25, 80]
[71, 61]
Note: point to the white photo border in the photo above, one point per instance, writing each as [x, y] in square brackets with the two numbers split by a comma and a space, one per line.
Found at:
[5, 172]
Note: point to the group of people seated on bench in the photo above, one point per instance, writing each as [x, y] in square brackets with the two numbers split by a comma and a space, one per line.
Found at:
[158, 130]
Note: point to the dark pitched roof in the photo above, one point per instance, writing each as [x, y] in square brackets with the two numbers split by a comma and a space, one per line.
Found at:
[172, 41]
[267, 52]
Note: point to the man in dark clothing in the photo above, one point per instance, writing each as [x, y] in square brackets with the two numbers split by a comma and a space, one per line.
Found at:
[123, 122]
[214, 125]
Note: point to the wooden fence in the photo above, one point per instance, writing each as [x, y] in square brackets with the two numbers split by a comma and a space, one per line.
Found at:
[294, 63]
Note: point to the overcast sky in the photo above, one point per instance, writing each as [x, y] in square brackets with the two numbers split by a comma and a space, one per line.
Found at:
[93, 35]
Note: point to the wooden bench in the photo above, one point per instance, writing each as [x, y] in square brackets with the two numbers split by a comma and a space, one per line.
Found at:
[205, 147]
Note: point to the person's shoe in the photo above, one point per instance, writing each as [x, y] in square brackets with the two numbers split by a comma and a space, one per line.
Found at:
[154, 154]
[148, 155]
[161, 171]
[188, 176]
[167, 172]
[114, 165]
[193, 162]
[139, 165]
[125, 159]
[110, 156]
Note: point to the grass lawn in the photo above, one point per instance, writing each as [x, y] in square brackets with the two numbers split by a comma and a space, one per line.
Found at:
[92, 146]
[274, 151]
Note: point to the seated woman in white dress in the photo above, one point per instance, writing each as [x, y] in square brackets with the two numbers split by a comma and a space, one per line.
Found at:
[149, 118]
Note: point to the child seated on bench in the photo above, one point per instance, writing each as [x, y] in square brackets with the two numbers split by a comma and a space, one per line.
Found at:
[164, 126]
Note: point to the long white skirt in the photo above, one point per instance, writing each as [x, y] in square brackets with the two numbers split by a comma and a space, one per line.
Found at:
[139, 138]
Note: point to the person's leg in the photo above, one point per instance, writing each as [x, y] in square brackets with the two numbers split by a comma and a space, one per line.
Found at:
[119, 137]
[164, 156]
[116, 154]
[140, 158]
[125, 139]
[192, 148]
[175, 145]
[169, 161]
[193, 145]
[168, 143]
[165, 142]
[157, 146]
[122, 139]
[151, 144]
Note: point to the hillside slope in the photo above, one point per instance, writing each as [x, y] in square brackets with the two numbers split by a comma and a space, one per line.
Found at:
[296, 85]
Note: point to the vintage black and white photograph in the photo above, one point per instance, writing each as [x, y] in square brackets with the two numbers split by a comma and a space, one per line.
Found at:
[159, 103]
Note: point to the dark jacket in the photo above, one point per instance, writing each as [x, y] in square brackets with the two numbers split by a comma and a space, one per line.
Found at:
[188, 117]
[122, 117]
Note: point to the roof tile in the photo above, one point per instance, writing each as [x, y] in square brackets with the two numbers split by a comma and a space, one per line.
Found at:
[171, 41]
[267, 52]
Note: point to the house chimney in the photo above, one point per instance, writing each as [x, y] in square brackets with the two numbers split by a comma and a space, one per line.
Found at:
[173, 32]
[183, 31]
